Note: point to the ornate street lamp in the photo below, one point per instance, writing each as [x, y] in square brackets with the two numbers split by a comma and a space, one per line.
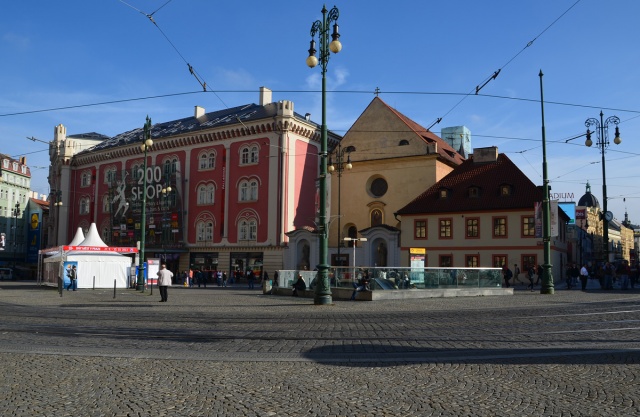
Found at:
[321, 27]
[340, 166]
[602, 133]
[144, 147]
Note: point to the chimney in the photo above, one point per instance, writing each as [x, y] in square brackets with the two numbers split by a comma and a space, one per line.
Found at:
[265, 96]
[484, 155]
[23, 160]
[199, 112]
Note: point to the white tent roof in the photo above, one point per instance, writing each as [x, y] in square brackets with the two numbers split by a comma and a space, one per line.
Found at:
[93, 238]
[78, 238]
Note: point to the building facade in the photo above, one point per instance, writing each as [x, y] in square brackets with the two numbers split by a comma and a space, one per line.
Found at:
[222, 188]
[480, 215]
[15, 182]
[377, 167]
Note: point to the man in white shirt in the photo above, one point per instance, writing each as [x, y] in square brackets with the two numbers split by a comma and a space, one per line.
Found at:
[584, 275]
[164, 280]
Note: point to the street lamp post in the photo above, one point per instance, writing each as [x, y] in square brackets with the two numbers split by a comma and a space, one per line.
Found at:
[16, 213]
[602, 133]
[145, 146]
[321, 27]
[354, 240]
[340, 166]
[547, 286]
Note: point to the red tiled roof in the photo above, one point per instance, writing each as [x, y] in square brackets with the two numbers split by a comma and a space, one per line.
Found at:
[488, 177]
[444, 149]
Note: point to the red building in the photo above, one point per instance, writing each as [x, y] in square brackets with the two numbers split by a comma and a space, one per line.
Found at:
[223, 188]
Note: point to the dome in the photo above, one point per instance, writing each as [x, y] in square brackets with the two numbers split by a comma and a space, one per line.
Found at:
[588, 199]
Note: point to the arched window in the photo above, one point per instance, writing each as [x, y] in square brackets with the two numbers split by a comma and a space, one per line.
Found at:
[204, 231]
[136, 171]
[253, 190]
[254, 155]
[376, 217]
[244, 156]
[85, 179]
[206, 193]
[207, 160]
[248, 229]
[106, 204]
[84, 206]
[106, 236]
[248, 190]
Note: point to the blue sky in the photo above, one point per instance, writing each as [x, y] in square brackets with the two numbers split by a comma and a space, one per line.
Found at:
[426, 57]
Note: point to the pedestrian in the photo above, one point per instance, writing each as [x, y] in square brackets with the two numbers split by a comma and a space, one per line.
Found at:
[569, 276]
[299, 285]
[635, 270]
[516, 274]
[250, 278]
[584, 276]
[530, 274]
[164, 281]
[224, 279]
[73, 278]
[507, 276]
[623, 272]
[199, 277]
[609, 273]
[361, 285]
[539, 272]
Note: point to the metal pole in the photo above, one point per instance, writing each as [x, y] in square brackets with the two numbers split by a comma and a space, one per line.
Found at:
[146, 136]
[547, 286]
[605, 222]
[321, 27]
[602, 130]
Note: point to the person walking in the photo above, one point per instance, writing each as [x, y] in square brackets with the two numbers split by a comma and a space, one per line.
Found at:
[584, 276]
[507, 276]
[516, 274]
[224, 279]
[199, 277]
[164, 281]
[623, 272]
[73, 278]
[539, 273]
[250, 278]
[530, 274]
[609, 273]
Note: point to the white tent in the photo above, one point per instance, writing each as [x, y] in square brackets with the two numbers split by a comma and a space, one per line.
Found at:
[98, 265]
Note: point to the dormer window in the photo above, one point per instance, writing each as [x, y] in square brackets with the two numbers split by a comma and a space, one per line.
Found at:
[474, 192]
[505, 190]
[444, 193]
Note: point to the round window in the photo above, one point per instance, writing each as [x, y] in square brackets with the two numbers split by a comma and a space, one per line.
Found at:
[379, 187]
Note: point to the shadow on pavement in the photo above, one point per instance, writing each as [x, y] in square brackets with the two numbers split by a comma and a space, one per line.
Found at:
[367, 355]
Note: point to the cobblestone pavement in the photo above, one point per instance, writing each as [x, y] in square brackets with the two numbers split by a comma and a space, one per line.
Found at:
[236, 352]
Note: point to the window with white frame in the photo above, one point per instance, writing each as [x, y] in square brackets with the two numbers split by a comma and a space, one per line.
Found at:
[248, 190]
[249, 155]
[110, 176]
[207, 160]
[204, 231]
[84, 206]
[206, 194]
[170, 166]
[106, 236]
[85, 179]
[136, 171]
[248, 229]
[106, 204]
[244, 156]
[5, 163]
[253, 154]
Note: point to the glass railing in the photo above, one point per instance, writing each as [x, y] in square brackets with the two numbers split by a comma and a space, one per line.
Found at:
[400, 278]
